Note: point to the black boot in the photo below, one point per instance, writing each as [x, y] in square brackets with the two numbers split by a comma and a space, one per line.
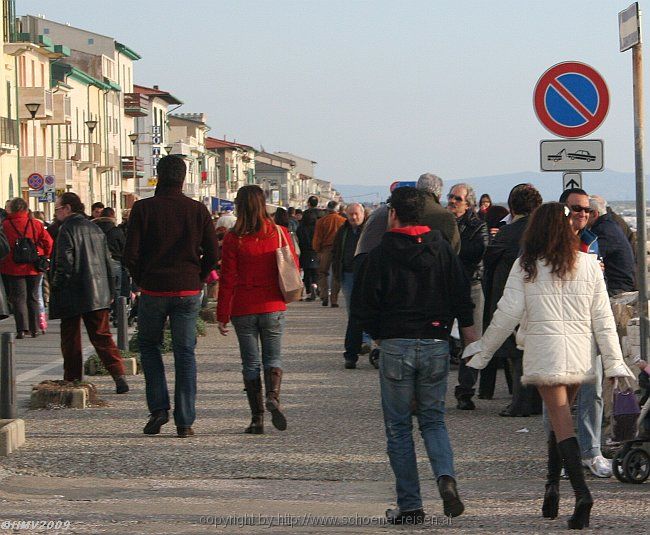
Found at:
[253, 389]
[272, 382]
[121, 386]
[554, 467]
[570, 451]
[451, 503]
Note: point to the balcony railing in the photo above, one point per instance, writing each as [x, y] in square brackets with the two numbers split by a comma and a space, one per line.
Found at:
[134, 105]
[61, 110]
[110, 161]
[43, 165]
[8, 133]
[62, 173]
[86, 155]
[127, 167]
[191, 189]
[35, 95]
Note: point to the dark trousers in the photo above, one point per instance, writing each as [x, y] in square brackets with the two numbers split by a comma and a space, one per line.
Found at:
[525, 399]
[466, 380]
[97, 327]
[488, 375]
[23, 292]
[310, 277]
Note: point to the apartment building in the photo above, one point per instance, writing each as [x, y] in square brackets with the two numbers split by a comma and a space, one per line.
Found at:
[187, 138]
[236, 166]
[149, 106]
[100, 128]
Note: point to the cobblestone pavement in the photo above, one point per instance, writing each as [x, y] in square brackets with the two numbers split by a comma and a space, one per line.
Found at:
[95, 468]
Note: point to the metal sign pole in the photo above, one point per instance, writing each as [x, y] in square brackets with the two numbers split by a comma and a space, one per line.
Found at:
[641, 231]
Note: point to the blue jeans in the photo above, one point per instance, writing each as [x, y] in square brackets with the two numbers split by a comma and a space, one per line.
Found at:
[182, 312]
[253, 328]
[354, 335]
[411, 369]
[589, 414]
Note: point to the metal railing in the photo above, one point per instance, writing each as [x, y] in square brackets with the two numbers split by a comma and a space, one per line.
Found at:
[8, 131]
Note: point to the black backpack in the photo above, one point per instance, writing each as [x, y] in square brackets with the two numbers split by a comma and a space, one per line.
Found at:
[25, 251]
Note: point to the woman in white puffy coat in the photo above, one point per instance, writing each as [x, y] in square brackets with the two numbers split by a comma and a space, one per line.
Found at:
[557, 295]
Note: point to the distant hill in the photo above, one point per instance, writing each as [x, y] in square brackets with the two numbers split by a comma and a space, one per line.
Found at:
[612, 185]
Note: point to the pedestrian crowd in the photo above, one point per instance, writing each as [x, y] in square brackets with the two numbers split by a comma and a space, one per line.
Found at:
[525, 288]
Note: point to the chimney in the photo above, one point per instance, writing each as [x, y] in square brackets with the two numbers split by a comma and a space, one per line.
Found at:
[155, 87]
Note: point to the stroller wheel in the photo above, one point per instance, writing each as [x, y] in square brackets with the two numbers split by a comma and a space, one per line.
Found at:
[636, 466]
[373, 357]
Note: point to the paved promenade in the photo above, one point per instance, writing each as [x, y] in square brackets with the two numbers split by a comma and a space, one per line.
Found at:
[96, 470]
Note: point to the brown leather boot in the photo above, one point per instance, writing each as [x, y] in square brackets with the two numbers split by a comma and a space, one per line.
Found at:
[272, 382]
[253, 389]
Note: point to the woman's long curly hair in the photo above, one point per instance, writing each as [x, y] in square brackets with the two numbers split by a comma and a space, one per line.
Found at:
[549, 238]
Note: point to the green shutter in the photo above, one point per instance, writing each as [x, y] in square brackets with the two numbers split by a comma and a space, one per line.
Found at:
[251, 176]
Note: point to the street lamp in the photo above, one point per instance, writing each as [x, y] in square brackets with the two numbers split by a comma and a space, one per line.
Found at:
[168, 149]
[91, 124]
[134, 139]
[32, 107]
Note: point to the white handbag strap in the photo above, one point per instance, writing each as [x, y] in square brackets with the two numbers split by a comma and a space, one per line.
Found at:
[280, 236]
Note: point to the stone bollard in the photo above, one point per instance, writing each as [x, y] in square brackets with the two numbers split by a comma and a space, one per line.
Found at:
[12, 429]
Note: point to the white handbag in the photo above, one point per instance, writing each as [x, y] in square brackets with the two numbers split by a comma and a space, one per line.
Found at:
[288, 273]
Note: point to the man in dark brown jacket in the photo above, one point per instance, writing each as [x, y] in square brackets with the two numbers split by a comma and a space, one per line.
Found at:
[171, 247]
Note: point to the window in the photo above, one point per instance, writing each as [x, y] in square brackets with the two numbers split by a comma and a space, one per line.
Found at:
[91, 41]
[46, 31]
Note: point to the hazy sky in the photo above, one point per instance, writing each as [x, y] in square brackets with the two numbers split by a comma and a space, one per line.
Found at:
[372, 90]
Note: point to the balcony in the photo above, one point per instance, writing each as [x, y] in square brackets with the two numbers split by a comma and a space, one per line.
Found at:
[43, 165]
[36, 95]
[87, 155]
[110, 162]
[191, 189]
[61, 110]
[135, 105]
[127, 167]
[62, 173]
[8, 134]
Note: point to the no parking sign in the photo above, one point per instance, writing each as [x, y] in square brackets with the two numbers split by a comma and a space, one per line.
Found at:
[571, 99]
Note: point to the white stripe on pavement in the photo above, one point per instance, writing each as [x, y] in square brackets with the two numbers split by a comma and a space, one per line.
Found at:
[26, 376]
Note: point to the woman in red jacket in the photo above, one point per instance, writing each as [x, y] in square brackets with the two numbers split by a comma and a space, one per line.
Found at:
[23, 279]
[250, 297]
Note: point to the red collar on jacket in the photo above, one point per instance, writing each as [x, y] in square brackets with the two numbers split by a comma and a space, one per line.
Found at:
[412, 230]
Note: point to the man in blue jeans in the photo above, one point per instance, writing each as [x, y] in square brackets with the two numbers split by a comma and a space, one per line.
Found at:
[410, 290]
[171, 247]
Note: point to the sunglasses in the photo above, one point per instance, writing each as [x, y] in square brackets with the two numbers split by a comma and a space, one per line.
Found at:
[455, 198]
[577, 209]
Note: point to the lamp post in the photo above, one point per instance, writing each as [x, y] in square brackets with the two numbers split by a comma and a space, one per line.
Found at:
[134, 139]
[32, 107]
[91, 124]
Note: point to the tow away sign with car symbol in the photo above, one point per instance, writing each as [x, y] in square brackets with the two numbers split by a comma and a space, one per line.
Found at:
[571, 155]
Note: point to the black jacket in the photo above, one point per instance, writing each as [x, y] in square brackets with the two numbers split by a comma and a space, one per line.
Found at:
[474, 238]
[498, 260]
[305, 235]
[115, 236]
[343, 238]
[412, 286]
[616, 252]
[82, 280]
